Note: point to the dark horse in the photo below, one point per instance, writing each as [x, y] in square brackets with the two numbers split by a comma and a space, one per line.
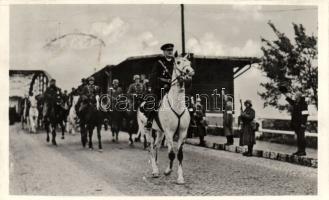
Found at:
[54, 117]
[124, 118]
[89, 118]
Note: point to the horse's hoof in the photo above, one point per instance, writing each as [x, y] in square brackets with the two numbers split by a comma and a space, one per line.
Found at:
[155, 175]
[63, 138]
[100, 150]
[167, 173]
[113, 140]
[47, 139]
[180, 181]
[90, 148]
[54, 143]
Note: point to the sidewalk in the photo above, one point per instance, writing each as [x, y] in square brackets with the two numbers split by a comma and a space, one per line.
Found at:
[264, 149]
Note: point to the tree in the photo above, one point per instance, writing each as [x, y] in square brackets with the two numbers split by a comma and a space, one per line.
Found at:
[293, 65]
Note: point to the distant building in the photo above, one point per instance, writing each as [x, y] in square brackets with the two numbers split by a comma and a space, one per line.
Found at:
[211, 74]
[23, 82]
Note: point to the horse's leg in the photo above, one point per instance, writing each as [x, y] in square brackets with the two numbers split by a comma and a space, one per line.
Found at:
[54, 134]
[83, 132]
[117, 135]
[154, 154]
[145, 142]
[62, 124]
[155, 169]
[99, 128]
[90, 131]
[138, 136]
[171, 155]
[181, 140]
[47, 130]
[131, 141]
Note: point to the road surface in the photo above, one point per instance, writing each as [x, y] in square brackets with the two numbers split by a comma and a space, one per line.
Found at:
[38, 168]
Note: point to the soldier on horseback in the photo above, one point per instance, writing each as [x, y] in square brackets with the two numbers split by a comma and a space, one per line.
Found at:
[51, 95]
[135, 91]
[161, 79]
[115, 91]
[90, 93]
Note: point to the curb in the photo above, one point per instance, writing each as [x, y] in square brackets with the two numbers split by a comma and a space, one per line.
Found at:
[283, 157]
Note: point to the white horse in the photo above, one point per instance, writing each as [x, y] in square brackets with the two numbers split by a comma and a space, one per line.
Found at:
[173, 117]
[33, 114]
[72, 117]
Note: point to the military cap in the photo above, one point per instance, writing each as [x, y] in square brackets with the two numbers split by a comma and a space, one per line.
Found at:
[167, 46]
[136, 76]
[248, 101]
[91, 79]
[115, 81]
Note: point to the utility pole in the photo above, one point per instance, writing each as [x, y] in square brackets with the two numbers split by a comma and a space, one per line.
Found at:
[183, 31]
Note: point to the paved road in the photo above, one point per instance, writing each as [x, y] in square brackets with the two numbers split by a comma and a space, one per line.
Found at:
[38, 168]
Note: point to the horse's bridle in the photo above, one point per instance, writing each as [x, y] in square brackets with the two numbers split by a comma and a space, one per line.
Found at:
[182, 73]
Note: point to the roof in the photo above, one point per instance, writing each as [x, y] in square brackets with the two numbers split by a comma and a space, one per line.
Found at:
[241, 62]
[231, 58]
[27, 72]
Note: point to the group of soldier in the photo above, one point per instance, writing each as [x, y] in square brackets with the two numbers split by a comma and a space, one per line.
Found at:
[160, 81]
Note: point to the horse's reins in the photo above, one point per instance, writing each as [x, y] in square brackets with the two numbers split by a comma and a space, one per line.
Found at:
[182, 73]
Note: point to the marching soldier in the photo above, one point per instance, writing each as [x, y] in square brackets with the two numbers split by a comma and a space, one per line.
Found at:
[161, 78]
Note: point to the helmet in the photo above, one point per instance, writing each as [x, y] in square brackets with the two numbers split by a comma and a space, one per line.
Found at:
[115, 81]
[91, 79]
[248, 101]
[136, 76]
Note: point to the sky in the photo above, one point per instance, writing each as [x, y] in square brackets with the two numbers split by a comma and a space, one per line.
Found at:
[133, 30]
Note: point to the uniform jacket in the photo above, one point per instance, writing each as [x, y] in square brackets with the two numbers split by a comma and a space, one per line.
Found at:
[115, 92]
[200, 113]
[90, 92]
[51, 94]
[161, 71]
[247, 134]
[228, 120]
[135, 88]
[299, 112]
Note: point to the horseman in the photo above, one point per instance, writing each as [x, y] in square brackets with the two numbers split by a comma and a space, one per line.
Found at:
[115, 91]
[51, 94]
[161, 79]
[82, 86]
[135, 91]
[91, 93]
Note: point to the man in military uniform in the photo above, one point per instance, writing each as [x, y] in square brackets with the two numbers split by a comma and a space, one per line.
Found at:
[299, 116]
[115, 92]
[161, 78]
[82, 86]
[200, 120]
[91, 93]
[51, 95]
[135, 91]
